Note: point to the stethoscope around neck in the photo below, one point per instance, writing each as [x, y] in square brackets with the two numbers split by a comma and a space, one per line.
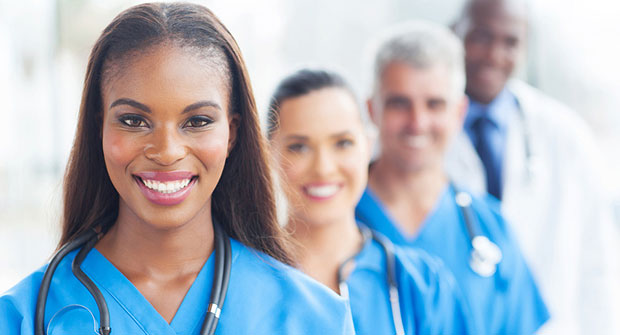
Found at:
[485, 255]
[390, 260]
[223, 260]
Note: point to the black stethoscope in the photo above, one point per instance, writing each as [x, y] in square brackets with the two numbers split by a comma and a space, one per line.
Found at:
[223, 260]
[485, 255]
[387, 246]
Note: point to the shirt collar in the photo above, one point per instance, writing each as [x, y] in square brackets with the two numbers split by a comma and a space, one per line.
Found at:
[498, 110]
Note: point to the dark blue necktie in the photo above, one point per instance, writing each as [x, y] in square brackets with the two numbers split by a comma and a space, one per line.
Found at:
[484, 128]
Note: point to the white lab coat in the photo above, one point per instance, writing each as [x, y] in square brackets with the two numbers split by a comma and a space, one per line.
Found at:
[558, 209]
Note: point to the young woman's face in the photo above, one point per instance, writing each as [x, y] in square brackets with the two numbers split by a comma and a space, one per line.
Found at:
[322, 151]
[166, 134]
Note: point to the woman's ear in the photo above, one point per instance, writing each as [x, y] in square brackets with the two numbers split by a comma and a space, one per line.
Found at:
[371, 140]
[233, 126]
[372, 111]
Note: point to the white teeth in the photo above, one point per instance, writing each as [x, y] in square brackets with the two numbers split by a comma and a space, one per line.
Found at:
[418, 141]
[322, 191]
[166, 187]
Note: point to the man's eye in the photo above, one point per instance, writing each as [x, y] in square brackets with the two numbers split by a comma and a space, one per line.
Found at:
[397, 103]
[344, 143]
[133, 121]
[481, 37]
[436, 104]
[198, 122]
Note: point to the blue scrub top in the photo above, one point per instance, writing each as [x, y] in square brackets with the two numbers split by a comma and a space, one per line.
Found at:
[507, 302]
[264, 297]
[430, 300]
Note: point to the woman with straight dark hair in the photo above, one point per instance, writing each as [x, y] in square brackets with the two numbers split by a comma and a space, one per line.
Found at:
[169, 218]
[318, 138]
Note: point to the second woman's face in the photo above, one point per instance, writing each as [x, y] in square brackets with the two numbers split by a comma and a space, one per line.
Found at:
[323, 154]
[166, 135]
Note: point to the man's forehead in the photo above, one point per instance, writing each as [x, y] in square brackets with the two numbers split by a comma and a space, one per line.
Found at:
[400, 78]
[498, 9]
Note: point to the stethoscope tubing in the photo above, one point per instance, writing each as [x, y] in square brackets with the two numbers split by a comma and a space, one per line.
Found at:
[463, 202]
[223, 264]
[104, 312]
[220, 282]
[390, 261]
[39, 316]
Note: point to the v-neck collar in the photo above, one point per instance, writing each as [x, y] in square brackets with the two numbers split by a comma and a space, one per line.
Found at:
[188, 317]
[388, 226]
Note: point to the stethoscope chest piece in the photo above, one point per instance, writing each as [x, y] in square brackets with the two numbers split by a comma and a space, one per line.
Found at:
[485, 255]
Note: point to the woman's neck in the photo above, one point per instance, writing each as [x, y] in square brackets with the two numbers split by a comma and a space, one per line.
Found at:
[410, 196]
[162, 263]
[139, 249]
[325, 246]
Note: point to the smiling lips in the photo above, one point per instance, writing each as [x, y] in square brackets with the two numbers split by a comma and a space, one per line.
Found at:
[166, 188]
[417, 141]
[321, 192]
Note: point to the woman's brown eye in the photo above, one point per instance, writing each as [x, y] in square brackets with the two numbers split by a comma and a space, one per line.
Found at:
[198, 122]
[133, 121]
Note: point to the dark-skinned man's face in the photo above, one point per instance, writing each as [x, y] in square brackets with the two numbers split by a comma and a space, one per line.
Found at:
[493, 44]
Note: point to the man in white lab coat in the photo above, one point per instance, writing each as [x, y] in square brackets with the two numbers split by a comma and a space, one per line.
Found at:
[540, 159]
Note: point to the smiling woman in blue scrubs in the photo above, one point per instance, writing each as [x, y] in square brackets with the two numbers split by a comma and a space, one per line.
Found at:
[168, 160]
[318, 138]
[418, 104]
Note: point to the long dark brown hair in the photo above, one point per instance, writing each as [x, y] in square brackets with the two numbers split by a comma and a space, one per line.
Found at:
[243, 200]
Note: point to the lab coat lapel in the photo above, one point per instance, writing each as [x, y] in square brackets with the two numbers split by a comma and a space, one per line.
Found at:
[463, 166]
[526, 182]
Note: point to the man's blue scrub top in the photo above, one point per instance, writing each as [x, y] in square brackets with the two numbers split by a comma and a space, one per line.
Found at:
[430, 300]
[264, 297]
[507, 302]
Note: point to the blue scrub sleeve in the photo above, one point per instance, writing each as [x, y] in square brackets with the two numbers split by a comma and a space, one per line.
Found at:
[12, 321]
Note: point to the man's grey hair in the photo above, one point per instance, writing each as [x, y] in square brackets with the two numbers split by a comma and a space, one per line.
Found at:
[421, 45]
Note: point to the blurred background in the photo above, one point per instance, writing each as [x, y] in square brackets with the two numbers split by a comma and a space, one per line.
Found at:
[573, 56]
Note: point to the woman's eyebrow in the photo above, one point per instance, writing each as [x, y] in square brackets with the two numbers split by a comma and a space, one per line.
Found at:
[201, 104]
[143, 107]
[132, 103]
[297, 137]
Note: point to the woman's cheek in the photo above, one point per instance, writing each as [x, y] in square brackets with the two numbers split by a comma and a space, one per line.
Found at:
[119, 149]
[293, 169]
[212, 148]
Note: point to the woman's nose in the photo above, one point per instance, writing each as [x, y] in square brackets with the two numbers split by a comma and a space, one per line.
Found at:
[324, 163]
[166, 146]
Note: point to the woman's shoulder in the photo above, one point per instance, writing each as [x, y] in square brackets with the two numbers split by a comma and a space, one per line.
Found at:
[17, 305]
[20, 300]
[294, 298]
[270, 273]
[24, 291]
